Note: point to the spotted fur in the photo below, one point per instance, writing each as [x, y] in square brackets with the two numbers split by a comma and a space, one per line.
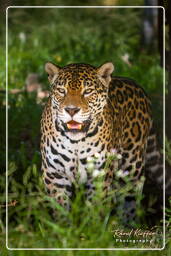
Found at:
[115, 113]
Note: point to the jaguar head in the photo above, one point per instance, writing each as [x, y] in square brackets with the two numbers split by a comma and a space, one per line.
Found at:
[79, 93]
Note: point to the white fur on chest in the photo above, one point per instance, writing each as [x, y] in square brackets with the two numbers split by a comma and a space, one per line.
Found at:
[76, 151]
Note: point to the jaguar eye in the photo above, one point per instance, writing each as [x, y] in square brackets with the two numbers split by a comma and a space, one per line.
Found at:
[88, 92]
[61, 91]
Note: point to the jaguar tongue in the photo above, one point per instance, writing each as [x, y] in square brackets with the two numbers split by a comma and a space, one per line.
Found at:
[74, 125]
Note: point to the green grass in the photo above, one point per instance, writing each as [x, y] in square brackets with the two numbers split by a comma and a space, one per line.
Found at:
[65, 36]
[88, 225]
[37, 217]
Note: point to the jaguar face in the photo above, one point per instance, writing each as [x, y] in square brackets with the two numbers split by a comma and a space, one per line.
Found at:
[79, 94]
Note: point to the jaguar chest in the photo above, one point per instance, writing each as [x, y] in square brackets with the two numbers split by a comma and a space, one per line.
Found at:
[65, 155]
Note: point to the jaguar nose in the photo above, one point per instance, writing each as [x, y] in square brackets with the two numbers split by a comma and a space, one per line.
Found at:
[72, 110]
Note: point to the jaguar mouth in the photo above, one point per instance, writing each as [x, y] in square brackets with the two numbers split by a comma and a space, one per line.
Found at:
[73, 126]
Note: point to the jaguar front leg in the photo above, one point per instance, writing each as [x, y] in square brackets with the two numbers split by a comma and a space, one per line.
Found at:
[59, 187]
[133, 165]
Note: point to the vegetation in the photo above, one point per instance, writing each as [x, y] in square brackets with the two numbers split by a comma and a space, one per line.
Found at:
[66, 36]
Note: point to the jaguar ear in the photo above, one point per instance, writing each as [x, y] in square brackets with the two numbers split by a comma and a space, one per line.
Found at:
[52, 70]
[105, 72]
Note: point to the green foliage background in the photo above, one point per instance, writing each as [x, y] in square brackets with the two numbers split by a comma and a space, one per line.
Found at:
[63, 36]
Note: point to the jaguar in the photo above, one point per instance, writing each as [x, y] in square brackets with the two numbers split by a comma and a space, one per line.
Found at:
[90, 112]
